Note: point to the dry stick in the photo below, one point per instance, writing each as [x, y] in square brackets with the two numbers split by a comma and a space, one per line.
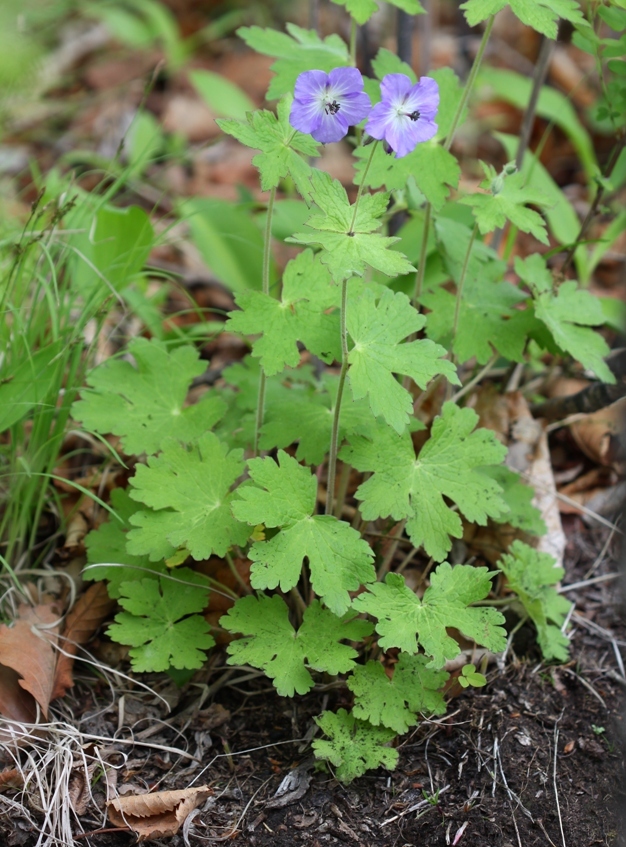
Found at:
[267, 254]
[556, 790]
[595, 204]
[539, 77]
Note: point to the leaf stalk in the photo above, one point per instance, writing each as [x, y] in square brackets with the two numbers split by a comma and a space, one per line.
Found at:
[267, 255]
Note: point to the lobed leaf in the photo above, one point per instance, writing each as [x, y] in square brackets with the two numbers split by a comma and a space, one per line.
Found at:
[354, 746]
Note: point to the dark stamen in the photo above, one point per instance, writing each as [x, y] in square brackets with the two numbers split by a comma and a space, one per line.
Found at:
[414, 115]
[332, 108]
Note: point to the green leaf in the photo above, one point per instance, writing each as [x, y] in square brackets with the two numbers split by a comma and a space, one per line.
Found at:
[159, 623]
[145, 404]
[449, 465]
[222, 96]
[29, 385]
[395, 702]
[432, 168]
[518, 497]
[405, 621]
[304, 414]
[360, 10]
[301, 314]
[348, 248]
[531, 575]
[411, 7]
[301, 50]
[470, 677]
[492, 211]
[377, 327]
[284, 495]
[280, 146]
[541, 15]
[188, 489]
[567, 311]
[488, 317]
[355, 746]
[272, 644]
[107, 544]
[229, 241]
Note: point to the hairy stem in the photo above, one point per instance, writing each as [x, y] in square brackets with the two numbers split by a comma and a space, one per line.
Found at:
[361, 187]
[469, 84]
[334, 436]
[344, 480]
[461, 285]
[267, 255]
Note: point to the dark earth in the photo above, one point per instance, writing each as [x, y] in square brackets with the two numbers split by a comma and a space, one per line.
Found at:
[535, 758]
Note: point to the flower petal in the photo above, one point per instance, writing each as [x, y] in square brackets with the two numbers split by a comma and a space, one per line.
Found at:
[424, 96]
[330, 128]
[379, 120]
[310, 84]
[400, 135]
[344, 81]
[354, 107]
[395, 87]
[305, 115]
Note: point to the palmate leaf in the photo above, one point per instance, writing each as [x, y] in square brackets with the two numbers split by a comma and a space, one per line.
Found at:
[108, 544]
[160, 623]
[518, 497]
[300, 315]
[279, 143]
[284, 495]
[532, 575]
[301, 50]
[568, 312]
[396, 702]
[187, 490]
[448, 465]
[354, 746]
[541, 15]
[362, 10]
[378, 326]
[347, 249]
[493, 210]
[405, 621]
[304, 414]
[284, 654]
[145, 404]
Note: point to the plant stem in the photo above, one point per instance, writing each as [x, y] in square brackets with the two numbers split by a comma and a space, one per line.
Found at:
[334, 436]
[469, 84]
[344, 480]
[353, 34]
[461, 285]
[421, 267]
[267, 255]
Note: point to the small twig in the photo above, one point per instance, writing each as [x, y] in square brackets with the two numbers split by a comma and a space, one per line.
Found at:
[476, 379]
[556, 790]
[585, 582]
[587, 685]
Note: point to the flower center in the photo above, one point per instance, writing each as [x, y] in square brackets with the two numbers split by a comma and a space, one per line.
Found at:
[331, 108]
[413, 116]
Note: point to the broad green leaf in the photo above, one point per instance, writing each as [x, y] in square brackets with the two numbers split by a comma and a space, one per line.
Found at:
[223, 97]
[532, 575]
[411, 7]
[160, 623]
[348, 247]
[488, 317]
[518, 497]
[568, 312]
[355, 746]
[28, 385]
[360, 10]
[378, 327]
[188, 489]
[280, 146]
[407, 622]
[284, 495]
[301, 314]
[449, 465]
[111, 250]
[396, 702]
[386, 62]
[107, 544]
[493, 210]
[541, 15]
[229, 241]
[284, 654]
[304, 414]
[301, 50]
[145, 404]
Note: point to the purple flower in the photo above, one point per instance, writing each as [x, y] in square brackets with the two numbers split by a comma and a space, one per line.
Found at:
[325, 105]
[405, 116]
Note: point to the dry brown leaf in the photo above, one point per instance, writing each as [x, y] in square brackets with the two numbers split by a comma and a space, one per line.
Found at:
[156, 815]
[598, 434]
[11, 779]
[27, 647]
[90, 610]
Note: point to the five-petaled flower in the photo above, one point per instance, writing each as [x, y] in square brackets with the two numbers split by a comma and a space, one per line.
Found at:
[325, 105]
[405, 116]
